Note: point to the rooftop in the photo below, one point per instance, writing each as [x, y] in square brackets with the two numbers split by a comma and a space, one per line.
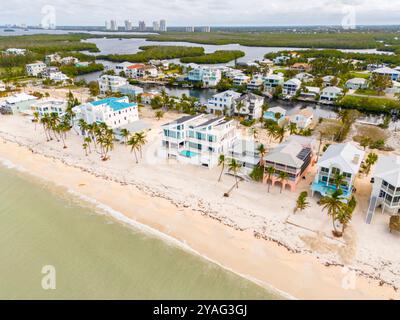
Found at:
[388, 169]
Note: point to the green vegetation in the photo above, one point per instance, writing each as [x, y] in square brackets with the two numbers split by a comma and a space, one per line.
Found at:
[257, 173]
[394, 224]
[73, 71]
[219, 56]
[343, 40]
[369, 104]
[155, 52]
[301, 202]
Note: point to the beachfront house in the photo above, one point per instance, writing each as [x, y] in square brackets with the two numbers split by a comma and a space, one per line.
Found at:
[357, 83]
[294, 156]
[272, 81]
[386, 186]
[249, 105]
[209, 76]
[344, 159]
[115, 112]
[18, 103]
[139, 70]
[290, 87]
[255, 83]
[276, 114]
[388, 72]
[330, 94]
[245, 152]
[109, 83]
[35, 69]
[147, 97]
[303, 119]
[123, 67]
[198, 139]
[240, 80]
[49, 106]
[58, 77]
[223, 103]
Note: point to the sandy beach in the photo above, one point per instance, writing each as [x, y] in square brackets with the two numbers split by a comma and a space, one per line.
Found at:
[253, 233]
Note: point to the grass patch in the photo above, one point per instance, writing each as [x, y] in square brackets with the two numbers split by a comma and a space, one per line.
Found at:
[369, 104]
[219, 56]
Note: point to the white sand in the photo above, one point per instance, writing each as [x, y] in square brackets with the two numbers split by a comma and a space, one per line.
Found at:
[177, 200]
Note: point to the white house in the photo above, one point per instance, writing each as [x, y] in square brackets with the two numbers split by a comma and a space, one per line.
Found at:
[272, 81]
[58, 77]
[68, 60]
[328, 80]
[330, 94]
[109, 83]
[291, 86]
[50, 58]
[386, 186]
[344, 159]
[256, 82]
[209, 76]
[245, 152]
[223, 103]
[50, 106]
[2, 86]
[240, 80]
[122, 67]
[303, 118]
[310, 93]
[250, 106]
[357, 83]
[18, 103]
[281, 59]
[115, 112]
[198, 139]
[385, 71]
[304, 77]
[16, 51]
[276, 114]
[35, 69]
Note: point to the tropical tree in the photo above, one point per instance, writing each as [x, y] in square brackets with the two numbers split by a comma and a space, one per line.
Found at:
[344, 216]
[333, 204]
[221, 163]
[301, 202]
[234, 167]
[85, 148]
[133, 142]
[338, 180]
[282, 177]
[262, 151]
[125, 134]
[280, 133]
[141, 141]
[372, 158]
[270, 172]
[292, 128]
[159, 114]
[271, 132]
[36, 118]
[87, 140]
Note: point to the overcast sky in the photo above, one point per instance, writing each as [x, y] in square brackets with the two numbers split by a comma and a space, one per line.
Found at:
[203, 12]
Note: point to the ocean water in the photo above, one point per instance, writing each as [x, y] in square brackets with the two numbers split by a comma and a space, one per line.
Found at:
[94, 256]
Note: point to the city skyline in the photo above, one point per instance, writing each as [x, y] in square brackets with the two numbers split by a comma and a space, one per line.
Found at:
[197, 13]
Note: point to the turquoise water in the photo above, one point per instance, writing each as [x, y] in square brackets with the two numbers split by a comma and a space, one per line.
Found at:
[94, 256]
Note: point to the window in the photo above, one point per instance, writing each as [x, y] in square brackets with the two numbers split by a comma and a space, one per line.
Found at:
[324, 170]
[347, 175]
[335, 170]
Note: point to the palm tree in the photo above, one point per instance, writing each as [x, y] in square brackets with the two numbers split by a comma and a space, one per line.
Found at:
[262, 151]
[370, 161]
[292, 128]
[159, 114]
[280, 133]
[302, 202]
[270, 172]
[36, 118]
[333, 204]
[141, 141]
[234, 167]
[254, 133]
[344, 216]
[221, 162]
[125, 134]
[271, 132]
[88, 140]
[338, 180]
[282, 177]
[133, 142]
[85, 147]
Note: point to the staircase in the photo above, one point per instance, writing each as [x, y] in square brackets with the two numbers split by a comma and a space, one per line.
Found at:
[371, 209]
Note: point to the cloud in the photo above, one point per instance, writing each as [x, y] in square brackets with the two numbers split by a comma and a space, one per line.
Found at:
[203, 12]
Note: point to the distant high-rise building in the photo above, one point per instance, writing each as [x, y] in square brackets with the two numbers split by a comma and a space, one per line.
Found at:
[156, 26]
[106, 25]
[205, 29]
[113, 25]
[189, 29]
[128, 25]
[142, 26]
[163, 25]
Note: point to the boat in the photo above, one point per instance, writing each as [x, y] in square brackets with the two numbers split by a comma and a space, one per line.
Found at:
[9, 30]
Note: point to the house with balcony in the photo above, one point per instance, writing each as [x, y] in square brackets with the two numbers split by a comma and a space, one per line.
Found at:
[294, 156]
[272, 81]
[357, 83]
[393, 74]
[223, 103]
[385, 193]
[209, 76]
[303, 118]
[291, 87]
[329, 81]
[276, 114]
[255, 83]
[249, 105]
[197, 140]
[245, 152]
[15, 51]
[344, 159]
[309, 93]
[35, 69]
[304, 77]
[115, 112]
[50, 106]
[18, 103]
[330, 94]
[109, 83]
[240, 80]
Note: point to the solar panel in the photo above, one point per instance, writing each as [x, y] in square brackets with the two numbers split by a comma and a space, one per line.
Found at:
[304, 153]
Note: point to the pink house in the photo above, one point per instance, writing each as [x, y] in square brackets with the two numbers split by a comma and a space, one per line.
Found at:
[294, 156]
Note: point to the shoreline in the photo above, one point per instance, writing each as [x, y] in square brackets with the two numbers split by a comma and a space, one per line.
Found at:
[275, 257]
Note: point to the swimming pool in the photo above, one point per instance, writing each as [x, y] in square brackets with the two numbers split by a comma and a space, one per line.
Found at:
[188, 154]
